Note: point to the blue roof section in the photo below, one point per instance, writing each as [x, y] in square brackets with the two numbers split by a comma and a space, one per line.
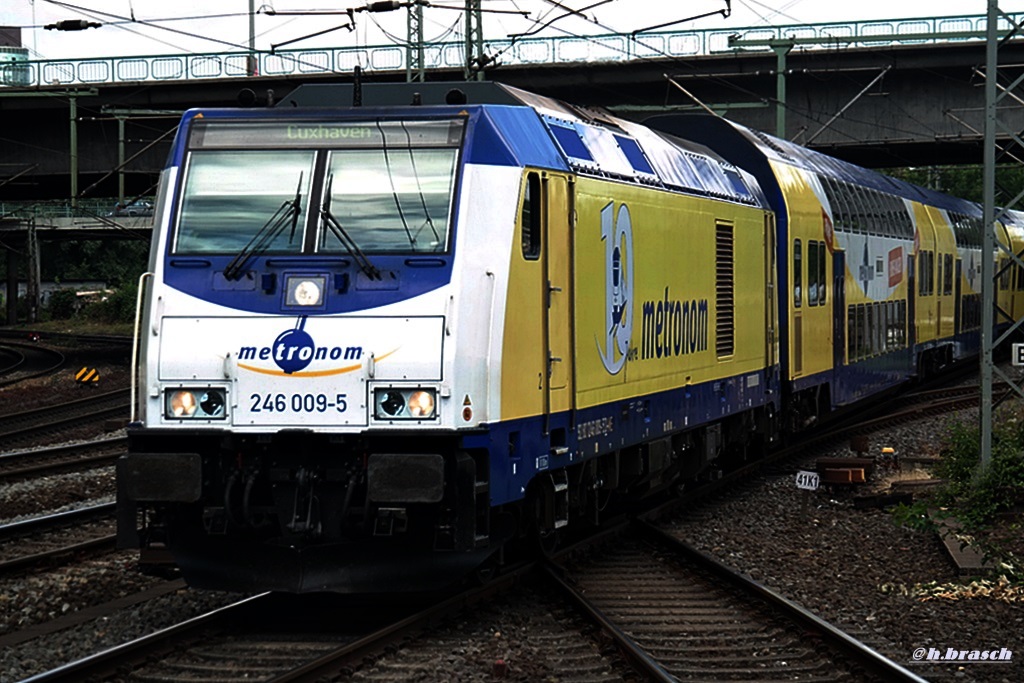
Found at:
[519, 132]
[539, 132]
[596, 143]
[497, 134]
[774, 148]
[615, 148]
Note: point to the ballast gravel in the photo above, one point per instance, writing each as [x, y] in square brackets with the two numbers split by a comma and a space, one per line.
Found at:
[890, 586]
[896, 589]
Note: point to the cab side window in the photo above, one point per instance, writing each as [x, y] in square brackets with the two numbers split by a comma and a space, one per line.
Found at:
[530, 218]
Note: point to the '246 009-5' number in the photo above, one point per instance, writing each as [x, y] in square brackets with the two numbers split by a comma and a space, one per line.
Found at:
[298, 403]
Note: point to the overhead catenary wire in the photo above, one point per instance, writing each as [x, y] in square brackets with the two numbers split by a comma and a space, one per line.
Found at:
[543, 20]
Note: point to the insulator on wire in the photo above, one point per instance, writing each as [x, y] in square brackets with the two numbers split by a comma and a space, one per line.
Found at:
[72, 25]
[383, 6]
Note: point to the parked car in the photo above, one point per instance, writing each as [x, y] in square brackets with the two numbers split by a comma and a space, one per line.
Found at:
[139, 208]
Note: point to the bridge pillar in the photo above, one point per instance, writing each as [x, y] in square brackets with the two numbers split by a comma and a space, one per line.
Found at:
[781, 49]
[12, 285]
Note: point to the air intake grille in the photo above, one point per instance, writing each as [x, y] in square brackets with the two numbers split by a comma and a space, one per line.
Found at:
[725, 301]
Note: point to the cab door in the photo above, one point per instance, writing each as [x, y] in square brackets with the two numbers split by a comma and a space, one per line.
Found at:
[558, 333]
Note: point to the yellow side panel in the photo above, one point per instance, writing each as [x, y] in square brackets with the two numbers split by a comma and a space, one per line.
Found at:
[935, 311]
[557, 255]
[810, 326]
[524, 361]
[1010, 300]
[646, 299]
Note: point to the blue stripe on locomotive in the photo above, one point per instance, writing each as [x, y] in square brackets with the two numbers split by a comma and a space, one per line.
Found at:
[498, 135]
[607, 428]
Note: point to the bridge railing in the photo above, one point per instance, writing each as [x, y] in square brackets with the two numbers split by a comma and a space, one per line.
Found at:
[610, 47]
[84, 208]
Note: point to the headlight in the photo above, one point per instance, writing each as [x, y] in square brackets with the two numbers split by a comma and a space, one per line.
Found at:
[195, 404]
[404, 404]
[304, 291]
[421, 404]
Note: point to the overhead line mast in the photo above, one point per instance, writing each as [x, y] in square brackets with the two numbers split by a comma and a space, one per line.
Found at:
[994, 94]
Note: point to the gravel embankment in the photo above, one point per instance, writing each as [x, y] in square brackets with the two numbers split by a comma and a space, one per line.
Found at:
[856, 568]
[893, 587]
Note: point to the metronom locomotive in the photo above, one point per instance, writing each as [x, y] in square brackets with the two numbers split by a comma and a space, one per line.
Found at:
[380, 343]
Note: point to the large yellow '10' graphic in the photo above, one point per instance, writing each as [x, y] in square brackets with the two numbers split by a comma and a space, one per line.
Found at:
[617, 235]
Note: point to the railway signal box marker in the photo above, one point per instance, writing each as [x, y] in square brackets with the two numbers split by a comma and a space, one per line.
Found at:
[807, 481]
[87, 376]
[1017, 354]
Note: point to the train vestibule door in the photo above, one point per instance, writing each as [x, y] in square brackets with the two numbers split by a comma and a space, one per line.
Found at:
[839, 315]
[957, 322]
[558, 217]
[911, 321]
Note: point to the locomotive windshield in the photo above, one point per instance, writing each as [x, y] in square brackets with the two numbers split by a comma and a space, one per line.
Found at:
[388, 183]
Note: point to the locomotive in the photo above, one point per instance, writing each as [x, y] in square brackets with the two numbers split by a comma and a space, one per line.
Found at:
[384, 336]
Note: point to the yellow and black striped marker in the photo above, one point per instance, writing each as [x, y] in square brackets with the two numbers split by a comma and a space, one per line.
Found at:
[87, 375]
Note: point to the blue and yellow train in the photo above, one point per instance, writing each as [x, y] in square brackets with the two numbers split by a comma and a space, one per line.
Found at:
[382, 343]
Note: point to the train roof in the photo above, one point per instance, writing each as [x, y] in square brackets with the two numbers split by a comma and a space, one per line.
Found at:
[749, 148]
[590, 141]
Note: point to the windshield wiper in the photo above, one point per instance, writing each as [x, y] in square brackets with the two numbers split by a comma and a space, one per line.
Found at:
[288, 212]
[342, 235]
[428, 222]
[394, 190]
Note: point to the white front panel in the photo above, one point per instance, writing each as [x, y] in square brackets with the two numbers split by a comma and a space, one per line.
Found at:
[300, 371]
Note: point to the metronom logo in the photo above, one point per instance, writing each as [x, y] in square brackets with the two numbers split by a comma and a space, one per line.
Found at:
[294, 350]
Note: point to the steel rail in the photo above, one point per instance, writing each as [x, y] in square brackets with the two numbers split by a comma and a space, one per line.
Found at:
[37, 524]
[330, 664]
[108, 542]
[35, 414]
[857, 651]
[17, 356]
[22, 464]
[109, 662]
[638, 657]
[55, 361]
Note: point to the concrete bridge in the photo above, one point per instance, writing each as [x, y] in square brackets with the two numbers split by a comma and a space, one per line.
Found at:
[882, 94]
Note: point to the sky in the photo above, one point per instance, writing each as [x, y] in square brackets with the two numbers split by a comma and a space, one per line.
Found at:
[198, 26]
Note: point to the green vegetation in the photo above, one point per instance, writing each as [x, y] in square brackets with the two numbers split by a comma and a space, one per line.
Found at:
[965, 182]
[975, 497]
[116, 263]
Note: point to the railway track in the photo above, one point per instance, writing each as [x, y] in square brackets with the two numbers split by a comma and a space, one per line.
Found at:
[110, 340]
[678, 614]
[46, 539]
[269, 637]
[41, 462]
[10, 359]
[29, 426]
[287, 654]
[20, 361]
[669, 618]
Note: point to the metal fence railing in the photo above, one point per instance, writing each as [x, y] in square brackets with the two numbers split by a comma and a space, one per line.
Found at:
[533, 50]
[84, 208]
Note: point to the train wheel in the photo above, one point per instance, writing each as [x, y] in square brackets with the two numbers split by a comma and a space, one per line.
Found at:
[549, 542]
[486, 572]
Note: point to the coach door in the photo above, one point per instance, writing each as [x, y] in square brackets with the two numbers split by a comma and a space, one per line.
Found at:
[771, 309]
[796, 334]
[911, 321]
[559, 210]
[839, 315]
[956, 296]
